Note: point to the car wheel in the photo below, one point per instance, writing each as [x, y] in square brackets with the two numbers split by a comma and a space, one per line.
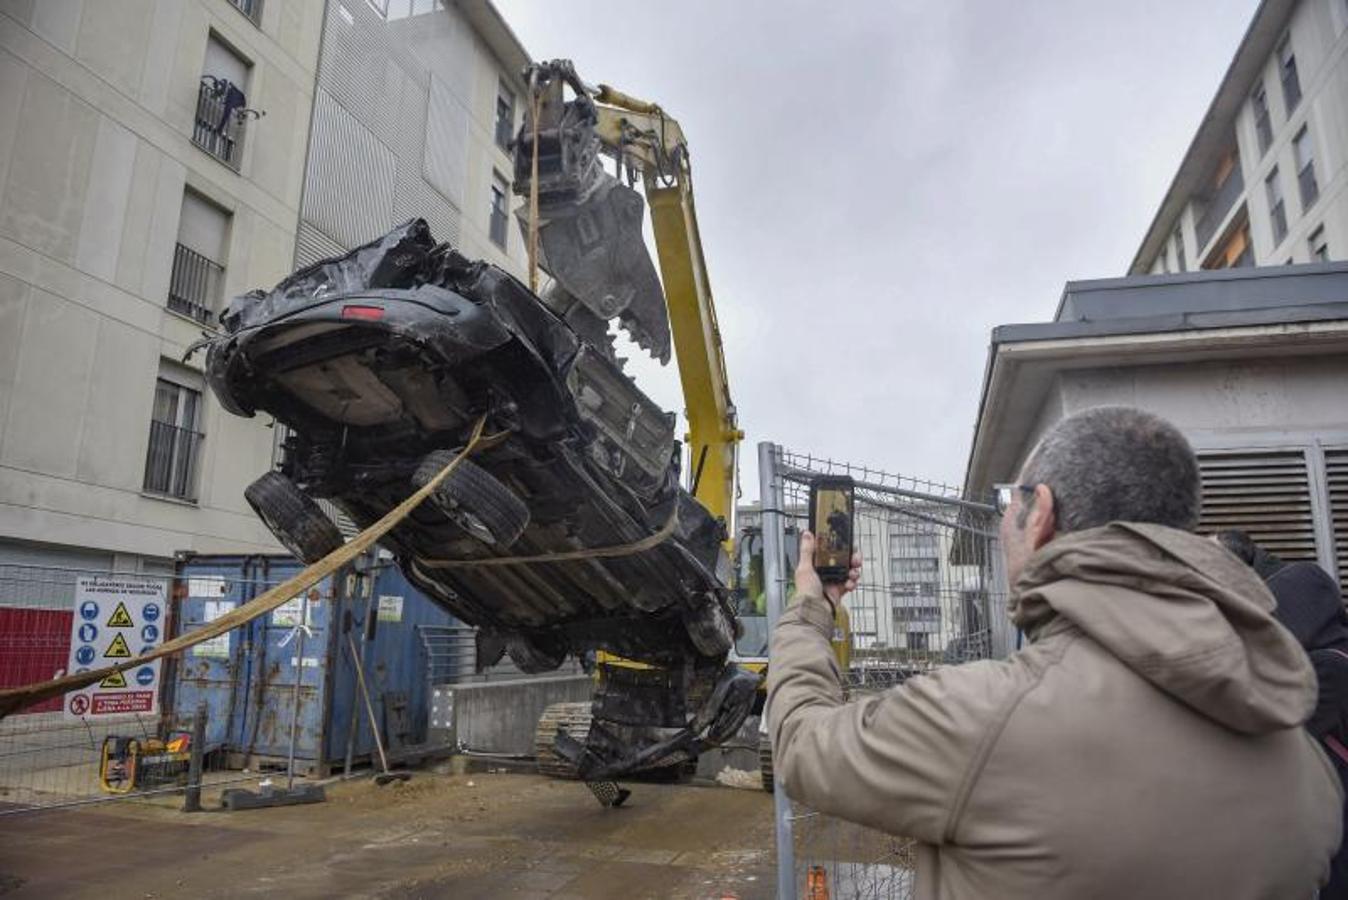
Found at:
[293, 517]
[709, 628]
[532, 655]
[474, 500]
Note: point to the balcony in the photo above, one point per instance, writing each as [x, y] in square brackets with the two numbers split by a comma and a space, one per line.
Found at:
[194, 285]
[170, 464]
[1218, 206]
[250, 8]
[219, 126]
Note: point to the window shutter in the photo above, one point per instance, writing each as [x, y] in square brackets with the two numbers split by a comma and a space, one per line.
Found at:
[1336, 478]
[1265, 493]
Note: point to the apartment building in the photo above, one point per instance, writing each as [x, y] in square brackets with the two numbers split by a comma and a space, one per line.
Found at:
[160, 156]
[417, 103]
[151, 165]
[1265, 180]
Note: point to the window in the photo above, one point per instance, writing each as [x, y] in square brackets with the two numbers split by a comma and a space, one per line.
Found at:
[1276, 213]
[917, 640]
[496, 225]
[1235, 251]
[402, 9]
[505, 116]
[915, 567]
[1304, 154]
[1287, 68]
[221, 103]
[1318, 245]
[175, 442]
[250, 8]
[1181, 264]
[907, 545]
[1262, 126]
[198, 270]
[901, 590]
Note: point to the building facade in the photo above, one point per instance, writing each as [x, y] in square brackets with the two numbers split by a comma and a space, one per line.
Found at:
[1265, 180]
[416, 105]
[151, 164]
[160, 156]
[1249, 363]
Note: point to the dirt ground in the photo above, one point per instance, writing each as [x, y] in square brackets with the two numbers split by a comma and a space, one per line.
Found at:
[479, 835]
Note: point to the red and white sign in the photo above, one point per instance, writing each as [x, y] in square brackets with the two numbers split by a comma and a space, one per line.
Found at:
[116, 619]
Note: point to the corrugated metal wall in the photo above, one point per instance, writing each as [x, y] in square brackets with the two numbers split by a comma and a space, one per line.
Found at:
[390, 134]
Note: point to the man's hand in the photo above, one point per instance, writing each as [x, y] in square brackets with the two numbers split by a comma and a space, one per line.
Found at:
[807, 579]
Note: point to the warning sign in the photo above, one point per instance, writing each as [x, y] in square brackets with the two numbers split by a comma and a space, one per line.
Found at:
[118, 648]
[121, 618]
[134, 608]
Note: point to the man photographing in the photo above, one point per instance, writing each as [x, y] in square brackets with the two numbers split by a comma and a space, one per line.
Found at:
[1145, 743]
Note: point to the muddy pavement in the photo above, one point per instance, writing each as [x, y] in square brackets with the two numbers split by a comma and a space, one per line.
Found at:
[484, 835]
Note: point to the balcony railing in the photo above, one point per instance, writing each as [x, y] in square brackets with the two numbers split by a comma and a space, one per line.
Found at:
[1219, 206]
[219, 126]
[194, 284]
[170, 464]
[250, 8]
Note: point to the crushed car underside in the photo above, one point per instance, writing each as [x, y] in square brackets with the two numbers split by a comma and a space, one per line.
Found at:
[378, 363]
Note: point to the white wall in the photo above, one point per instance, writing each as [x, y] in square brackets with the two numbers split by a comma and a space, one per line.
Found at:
[97, 104]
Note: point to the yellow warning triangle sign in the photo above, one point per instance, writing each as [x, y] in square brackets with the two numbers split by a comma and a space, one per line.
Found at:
[113, 680]
[117, 650]
[121, 618]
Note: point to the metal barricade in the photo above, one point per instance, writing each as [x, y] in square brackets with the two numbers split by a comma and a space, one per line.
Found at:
[115, 743]
[932, 593]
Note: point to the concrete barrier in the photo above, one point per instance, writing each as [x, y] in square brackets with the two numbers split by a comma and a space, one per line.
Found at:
[499, 717]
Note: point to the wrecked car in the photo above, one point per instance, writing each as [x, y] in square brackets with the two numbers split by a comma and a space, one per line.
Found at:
[379, 363]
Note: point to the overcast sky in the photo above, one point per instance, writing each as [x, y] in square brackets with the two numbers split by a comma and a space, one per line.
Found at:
[879, 184]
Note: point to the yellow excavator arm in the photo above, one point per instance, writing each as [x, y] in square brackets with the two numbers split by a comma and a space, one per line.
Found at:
[641, 135]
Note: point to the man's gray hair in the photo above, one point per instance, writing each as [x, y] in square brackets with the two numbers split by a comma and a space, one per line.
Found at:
[1116, 463]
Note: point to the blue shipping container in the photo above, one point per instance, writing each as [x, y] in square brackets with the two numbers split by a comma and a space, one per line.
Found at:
[247, 678]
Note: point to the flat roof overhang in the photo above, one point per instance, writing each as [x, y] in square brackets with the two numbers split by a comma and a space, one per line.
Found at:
[1024, 359]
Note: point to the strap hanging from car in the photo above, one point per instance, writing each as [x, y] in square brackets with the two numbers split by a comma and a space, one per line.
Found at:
[649, 542]
[17, 698]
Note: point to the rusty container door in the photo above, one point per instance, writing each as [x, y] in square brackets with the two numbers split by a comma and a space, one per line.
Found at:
[247, 677]
[387, 621]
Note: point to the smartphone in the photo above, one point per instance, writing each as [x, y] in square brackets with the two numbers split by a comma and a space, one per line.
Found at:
[832, 502]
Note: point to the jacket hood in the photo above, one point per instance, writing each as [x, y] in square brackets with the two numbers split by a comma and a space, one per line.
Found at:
[1309, 605]
[1178, 610]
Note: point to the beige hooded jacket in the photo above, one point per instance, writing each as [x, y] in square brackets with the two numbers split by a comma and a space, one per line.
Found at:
[1145, 744]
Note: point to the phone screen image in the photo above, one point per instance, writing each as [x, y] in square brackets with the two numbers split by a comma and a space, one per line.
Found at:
[832, 528]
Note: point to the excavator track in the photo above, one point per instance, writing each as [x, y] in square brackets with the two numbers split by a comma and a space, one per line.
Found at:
[575, 718]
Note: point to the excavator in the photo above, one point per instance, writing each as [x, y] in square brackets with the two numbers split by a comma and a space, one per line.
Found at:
[583, 227]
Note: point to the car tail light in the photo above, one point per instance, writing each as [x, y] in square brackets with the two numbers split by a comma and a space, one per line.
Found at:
[364, 313]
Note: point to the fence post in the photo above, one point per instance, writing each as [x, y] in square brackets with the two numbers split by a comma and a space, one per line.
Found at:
[192, 799]
[771, 499]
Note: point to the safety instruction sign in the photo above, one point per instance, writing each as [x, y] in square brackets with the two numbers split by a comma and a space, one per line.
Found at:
[117, 617]
[390, 608]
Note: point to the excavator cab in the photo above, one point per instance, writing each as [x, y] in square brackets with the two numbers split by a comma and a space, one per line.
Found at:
[748, 593]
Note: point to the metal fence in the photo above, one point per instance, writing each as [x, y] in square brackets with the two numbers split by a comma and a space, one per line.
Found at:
[127, 741]
[932, 593]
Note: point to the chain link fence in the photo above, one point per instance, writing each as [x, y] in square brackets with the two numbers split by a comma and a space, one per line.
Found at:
[129, 737]
[932, 593]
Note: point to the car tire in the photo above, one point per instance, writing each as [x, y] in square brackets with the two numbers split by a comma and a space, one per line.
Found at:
[534, 655]
[709, 628]
[293, 517]
[474, 500]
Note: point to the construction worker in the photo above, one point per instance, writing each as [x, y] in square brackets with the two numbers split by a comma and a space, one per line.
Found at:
[1145, 743]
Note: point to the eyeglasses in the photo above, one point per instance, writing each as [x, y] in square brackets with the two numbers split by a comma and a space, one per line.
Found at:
[1005, 493]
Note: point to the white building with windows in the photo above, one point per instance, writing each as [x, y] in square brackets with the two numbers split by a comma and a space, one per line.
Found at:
[1265, 180]
[158, 157]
